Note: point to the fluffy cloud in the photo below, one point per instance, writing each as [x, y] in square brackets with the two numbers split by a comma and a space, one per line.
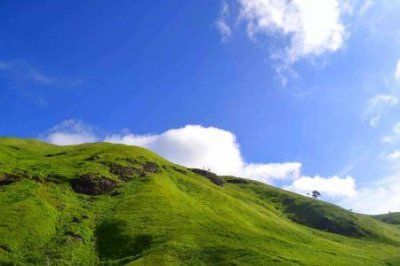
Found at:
[313, 27]
[192, 146]
[329, 186]
[70, 132]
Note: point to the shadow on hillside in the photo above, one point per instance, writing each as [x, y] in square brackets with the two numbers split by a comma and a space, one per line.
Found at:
[115, 242]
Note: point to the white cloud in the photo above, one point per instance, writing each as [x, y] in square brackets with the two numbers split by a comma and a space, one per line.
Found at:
[192, 146]
[313, 27]
[379, 197]
[70, 132]
[397, 71]
[329, 186]
[221, 23]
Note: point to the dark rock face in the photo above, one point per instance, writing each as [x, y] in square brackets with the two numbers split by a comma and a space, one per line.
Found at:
[209, 175]
[92, 185]
[8, 179]
[150, 167]
[124, 172]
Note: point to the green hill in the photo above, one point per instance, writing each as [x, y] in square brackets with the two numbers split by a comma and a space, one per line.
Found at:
[390, 218]
[107, 204]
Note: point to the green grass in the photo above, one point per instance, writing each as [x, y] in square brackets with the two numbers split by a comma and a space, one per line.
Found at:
[171, 216]
[390, 218]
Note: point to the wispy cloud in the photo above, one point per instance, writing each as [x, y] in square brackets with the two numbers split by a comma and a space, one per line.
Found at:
[376, 107]
[22, 72]
[397, 71]
[222, 24]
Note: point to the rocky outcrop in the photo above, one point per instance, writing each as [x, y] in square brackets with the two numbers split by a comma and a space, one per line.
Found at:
[91, 184]
[209, 175]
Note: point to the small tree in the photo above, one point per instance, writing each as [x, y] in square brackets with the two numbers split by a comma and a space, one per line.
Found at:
[315, 194]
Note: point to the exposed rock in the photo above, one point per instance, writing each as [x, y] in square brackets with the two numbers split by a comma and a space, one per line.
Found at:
[238, 181]
[124, 172]
[209, 175]
[91, 184]
[150, 167]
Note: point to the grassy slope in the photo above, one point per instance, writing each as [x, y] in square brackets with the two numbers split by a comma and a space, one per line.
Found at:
[390, 218]
[172, 217]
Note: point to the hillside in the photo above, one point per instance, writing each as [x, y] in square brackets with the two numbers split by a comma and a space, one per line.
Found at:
[390, 218]
[108, 204]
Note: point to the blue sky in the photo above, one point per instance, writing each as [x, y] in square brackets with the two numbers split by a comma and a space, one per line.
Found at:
[302, 94]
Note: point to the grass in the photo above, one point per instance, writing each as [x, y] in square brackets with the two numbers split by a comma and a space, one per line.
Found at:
[169, 216]
[390, 218]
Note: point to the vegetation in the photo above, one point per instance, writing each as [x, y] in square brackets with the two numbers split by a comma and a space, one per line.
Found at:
[108, 204]
[390, 218]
